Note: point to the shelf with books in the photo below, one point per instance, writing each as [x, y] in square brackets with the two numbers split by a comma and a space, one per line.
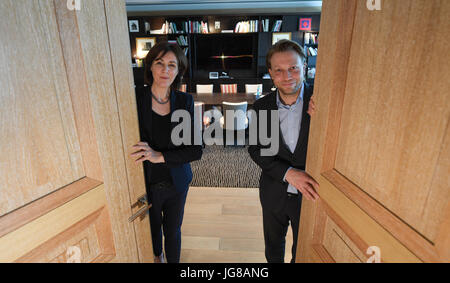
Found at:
[260, 25]
[311, 38]
[311, 45]
[183, 27]
[182, 40]
[311, 51]
[184, 30]
[247, 26]
[211, 24]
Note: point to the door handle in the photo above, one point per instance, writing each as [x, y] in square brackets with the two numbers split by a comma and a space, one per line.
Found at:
[143, 201]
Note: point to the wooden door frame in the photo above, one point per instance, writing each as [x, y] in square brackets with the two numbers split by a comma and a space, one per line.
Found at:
[96, 52]
[337, 25]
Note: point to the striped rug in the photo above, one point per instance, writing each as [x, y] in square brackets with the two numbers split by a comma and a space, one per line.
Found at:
[225, 167]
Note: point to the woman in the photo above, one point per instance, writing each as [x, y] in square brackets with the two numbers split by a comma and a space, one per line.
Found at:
[166, 166]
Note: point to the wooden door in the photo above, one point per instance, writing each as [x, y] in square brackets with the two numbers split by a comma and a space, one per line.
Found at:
[67, 122]
[379, 145]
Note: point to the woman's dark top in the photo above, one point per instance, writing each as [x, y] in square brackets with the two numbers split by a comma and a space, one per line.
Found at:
[176, 158]
[160, 142]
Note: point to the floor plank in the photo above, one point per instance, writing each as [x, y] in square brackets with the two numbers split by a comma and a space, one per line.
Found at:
[224, 225]
[209, 256]
[240, 244]
[200, 243]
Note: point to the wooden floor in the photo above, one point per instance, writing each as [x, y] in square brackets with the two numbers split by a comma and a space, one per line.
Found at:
[224, 225]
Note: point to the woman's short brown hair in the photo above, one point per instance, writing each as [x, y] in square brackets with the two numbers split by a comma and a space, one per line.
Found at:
[283, 46]
[158, 51]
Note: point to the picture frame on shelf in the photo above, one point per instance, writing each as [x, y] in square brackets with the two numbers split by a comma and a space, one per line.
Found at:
[133, 25]
[277, 36]
[305, 24]
[143, 45]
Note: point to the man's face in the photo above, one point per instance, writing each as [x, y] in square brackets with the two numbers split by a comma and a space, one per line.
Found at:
[287, 72]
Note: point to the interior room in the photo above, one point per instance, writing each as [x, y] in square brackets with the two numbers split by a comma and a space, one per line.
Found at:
[224, 189]
[359, 173]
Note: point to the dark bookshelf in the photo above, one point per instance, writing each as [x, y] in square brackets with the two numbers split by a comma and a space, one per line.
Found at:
[311, 45]
[179, 26]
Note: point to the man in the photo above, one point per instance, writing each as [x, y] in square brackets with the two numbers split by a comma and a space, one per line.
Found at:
[283, 180]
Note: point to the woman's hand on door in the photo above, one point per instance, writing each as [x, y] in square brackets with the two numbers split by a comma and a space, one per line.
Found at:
[142, 151]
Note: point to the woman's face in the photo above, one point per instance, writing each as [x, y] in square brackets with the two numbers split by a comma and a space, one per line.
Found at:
[164, 69]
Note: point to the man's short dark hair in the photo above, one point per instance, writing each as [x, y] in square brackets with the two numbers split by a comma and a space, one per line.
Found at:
[283, 46]
[154, 54]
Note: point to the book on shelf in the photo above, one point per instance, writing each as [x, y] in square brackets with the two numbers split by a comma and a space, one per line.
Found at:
[247, 26]
[312, 51]
[166, 27]
[182, 40]
[277, 26]
[205, 27]
[174, 28]
[265, 25]
[239, 27]
[184, 27]
[307, 37]
[197, 27]
[311, 38]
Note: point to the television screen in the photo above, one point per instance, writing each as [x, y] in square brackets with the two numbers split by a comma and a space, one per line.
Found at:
[216, 52]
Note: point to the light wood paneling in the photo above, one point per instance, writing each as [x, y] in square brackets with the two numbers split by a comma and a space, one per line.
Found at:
[363, 225]
[339, 246]
[92, 236]
[19, 242]
[19, 217]
[74, 119]
[337, 18]
[440, 181]
[379, 144]
[384, 217]
[100, 81]
[392, 97]
[79, 92]
[126, 101]
[40, 149]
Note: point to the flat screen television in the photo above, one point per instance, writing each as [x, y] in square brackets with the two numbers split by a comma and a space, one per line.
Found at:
[235, 54]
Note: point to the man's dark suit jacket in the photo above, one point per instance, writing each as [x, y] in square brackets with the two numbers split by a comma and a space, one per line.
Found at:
[273, 190]
[177, 157]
